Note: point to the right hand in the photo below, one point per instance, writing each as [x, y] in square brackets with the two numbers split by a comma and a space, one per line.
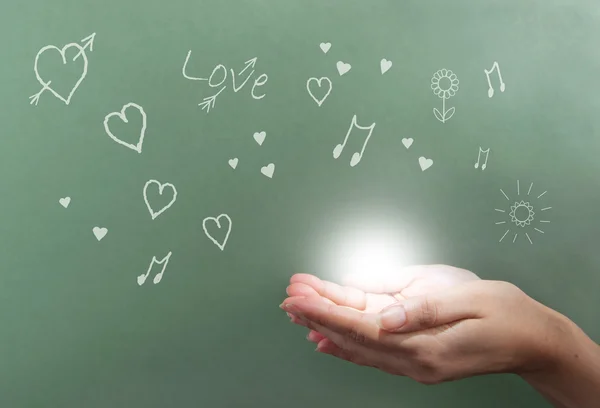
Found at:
[466, 329]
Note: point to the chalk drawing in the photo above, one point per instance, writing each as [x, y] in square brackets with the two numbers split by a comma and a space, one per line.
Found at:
[268, 170]
[216, 220]
[325, 46]
[444, 84]
[65, 201]
[88, 43]
[356, 157]
[99, 232]
[121, 115]
[318, 82]
[522, 213]
[495, 67]
[385, 65]
[141, 279]
[161, 188]
[425, 163]
[343, 67]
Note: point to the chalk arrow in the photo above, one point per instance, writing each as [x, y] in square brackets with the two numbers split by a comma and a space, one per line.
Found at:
[249, 64]
[88, 42]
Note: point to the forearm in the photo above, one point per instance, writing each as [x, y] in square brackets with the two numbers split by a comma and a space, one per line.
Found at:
[572, 380]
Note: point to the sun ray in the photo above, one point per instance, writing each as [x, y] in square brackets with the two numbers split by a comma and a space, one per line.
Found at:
[504, 194]
[527, 235]
[544, 221]
[501, 222]
[499, 210]
[515, 238]
[529, 191]
[539, 230]
[542, 194]
[518, 193]
[544, 209]
[507, 231]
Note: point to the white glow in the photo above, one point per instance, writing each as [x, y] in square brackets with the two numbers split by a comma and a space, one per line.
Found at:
[368, 251]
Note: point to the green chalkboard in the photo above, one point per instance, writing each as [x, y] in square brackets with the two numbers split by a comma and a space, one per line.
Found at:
[106, 300]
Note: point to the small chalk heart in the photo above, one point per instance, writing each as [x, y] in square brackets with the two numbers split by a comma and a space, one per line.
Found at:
[325, 47]
[425, 163]
[343, 67]
[407, 142]
[260, 137]
[233, 163]
[99, 232]
[385, 66]
[268, 170]
[65, 201]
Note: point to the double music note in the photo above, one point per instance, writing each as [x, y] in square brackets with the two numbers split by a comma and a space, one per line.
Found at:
[356, 157]
[487, 74]
[486, 153]
[157, 278]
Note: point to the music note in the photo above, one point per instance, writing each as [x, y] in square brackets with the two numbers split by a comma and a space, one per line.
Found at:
[164, 262]
[487, 153]
[356, 157]
[487, 74]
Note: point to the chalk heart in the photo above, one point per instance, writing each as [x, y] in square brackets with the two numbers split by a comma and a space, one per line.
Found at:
[425, 163]
[99, 232]
[123, 117]
[233, 163]
[385, 66]
[407, 142]
[219, 222]
[323, 86]
[65, 201]
[63, 54]
[268, 170]
[325, 46]
[161, 188]
[260, 137]
[343, 67]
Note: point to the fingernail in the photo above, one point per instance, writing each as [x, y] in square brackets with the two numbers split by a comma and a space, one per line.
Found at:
[290, 307]
[392, 318]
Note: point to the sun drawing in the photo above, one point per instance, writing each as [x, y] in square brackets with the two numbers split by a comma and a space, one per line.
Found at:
[521, 213]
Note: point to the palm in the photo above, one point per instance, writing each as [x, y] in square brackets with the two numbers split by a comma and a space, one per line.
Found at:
[371, 296]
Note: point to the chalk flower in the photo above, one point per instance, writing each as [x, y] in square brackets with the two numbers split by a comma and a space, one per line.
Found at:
[444, 83]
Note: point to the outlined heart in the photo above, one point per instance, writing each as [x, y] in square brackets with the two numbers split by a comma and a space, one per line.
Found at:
[65, 201]
[233, 162]
[385, 66]
[319, 82]
[407, 142]
[62, 51]
[343, 67]
[221, 245]
[121, 115]
[260, 137]
[325, 46]
[99, 232]
[161, 187]
[268, 170]
[425, 163]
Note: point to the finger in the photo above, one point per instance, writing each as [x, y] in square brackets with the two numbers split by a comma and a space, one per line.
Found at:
[340, 295]
[326, 346]
[356, 326]
[315, 336]
[301, 289]
[461, 302]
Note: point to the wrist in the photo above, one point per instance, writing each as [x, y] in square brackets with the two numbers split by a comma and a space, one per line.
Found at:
[567, 371]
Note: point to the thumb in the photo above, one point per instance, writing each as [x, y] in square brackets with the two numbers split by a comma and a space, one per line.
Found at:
[428, 311]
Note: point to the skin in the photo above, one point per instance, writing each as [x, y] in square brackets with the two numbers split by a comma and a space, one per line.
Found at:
[455, 326]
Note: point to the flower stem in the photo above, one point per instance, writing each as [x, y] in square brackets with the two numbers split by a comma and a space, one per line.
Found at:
[444, 109]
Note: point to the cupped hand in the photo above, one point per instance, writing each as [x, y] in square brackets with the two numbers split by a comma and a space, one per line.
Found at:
[433, 324]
